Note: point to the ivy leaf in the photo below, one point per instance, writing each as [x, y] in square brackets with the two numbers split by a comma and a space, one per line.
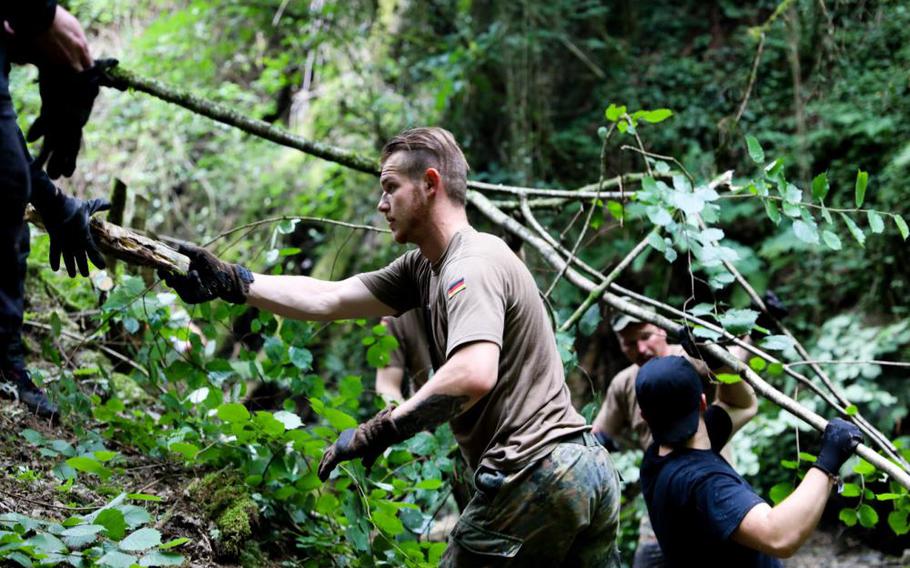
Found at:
[142, 539]
[429, 484]
[868, 517]
[755, 150]
[657, 242]
[757, 364]
[848, 516]
[805, 232]
[832, 240]
[876, 223]
[862, 179]
[864, 468]
[901, 226]
[302, 358]
[89, 464]
[616, 210]
[233, 412]
[854, 230]
[338, 419]
[820, 186]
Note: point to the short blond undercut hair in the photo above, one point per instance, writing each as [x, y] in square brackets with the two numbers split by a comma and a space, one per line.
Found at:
[432, 147]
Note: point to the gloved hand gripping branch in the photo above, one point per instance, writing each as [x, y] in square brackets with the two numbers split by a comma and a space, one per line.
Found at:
[208, 278]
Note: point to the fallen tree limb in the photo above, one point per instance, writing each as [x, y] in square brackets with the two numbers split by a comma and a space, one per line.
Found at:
[128, 246]
[761, 386]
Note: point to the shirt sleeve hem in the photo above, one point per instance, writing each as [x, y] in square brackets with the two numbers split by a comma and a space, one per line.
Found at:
[745, 511]
[472, 338]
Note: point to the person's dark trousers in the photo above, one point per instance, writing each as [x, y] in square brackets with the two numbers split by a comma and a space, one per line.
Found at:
[15, 189]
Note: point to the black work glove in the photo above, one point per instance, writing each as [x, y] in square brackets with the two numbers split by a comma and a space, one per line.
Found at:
[683, 336]
[67, 97]
[606, 441]
[71, 237]
[208, 278]
[367, 441]
[776, 312]
[838, 443]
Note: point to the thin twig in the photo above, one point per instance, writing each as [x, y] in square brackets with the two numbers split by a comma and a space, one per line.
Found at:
[752, 75]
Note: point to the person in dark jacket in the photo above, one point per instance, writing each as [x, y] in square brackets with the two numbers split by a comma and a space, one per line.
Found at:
[42, 33]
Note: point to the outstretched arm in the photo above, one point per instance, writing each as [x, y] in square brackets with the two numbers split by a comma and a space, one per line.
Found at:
[305, 298]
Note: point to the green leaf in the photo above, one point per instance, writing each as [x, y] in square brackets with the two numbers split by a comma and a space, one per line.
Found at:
[864, 468]
[862, 179]
[737, 321]
[387, 523]
[89, 465]
[157, 558]
[174, 543]
[616, 209]
[868, 517]
[776, 369]
[338, 419]
[888, 496]
[185, 449]
[144, 497]
[657, 242]
[851, 410]
[901, 226]
[772, 211]
[850, 490]
[134, 515]
[789, 464]
[655, 116]
[806, 232]
[429, 484]
[757, 364]
[613, 112]
[301, 358]
[831, 240]
[104, 455]
[897, 520]
[233, 412]
[820, 186]
[755, 150]
[116, 559]
[780, 491]
[289, 419]
[113, 522]
[876, 223]
[848, 516]
[854, 230]
[44, 543]
[142, 539]
[728, 378]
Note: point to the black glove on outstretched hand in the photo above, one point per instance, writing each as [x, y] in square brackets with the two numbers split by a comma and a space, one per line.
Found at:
[683, 336]
[67, 97]
[367, 441]
[208, 278]
[69, 229]
[838, 443]
[775, 312]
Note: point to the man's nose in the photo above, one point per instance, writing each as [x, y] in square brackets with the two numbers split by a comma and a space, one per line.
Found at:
[383, 204]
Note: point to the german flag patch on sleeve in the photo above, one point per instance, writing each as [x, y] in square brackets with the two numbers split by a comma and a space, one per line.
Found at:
[456, 287]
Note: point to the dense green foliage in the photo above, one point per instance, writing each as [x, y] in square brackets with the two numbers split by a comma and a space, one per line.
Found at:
[539, 93]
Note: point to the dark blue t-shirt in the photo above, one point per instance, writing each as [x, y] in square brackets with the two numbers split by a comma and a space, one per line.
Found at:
[696, 501]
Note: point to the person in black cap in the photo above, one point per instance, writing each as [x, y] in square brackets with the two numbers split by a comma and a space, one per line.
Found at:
[702, 510]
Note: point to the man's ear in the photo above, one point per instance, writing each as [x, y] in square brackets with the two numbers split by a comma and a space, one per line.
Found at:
[432, 180]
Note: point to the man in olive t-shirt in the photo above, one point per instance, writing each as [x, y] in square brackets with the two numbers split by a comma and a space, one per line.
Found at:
[547, 492]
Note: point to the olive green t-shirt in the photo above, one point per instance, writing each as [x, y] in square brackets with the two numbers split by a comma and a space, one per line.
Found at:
[413, 353]
[481, 291]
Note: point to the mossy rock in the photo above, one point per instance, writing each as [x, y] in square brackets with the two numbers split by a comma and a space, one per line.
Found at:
[227, 503]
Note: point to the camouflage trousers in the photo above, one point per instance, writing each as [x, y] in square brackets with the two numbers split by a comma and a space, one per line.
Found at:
[562, 510]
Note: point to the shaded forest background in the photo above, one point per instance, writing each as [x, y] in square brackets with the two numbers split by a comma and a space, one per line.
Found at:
[523, 86]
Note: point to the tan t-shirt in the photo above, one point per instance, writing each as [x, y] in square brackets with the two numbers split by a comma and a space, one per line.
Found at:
[413, 353]
[480, 291]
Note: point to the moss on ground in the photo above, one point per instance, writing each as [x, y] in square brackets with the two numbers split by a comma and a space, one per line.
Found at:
[228, 504]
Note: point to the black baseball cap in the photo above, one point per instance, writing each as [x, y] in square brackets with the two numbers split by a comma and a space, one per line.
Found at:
[669, 393]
